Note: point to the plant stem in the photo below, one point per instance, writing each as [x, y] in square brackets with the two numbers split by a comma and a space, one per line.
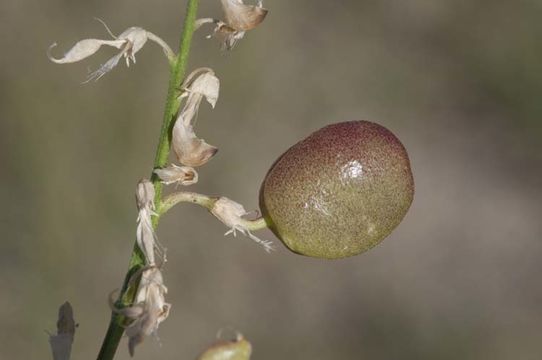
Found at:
[177, 73]
[207, 202]
[185, 196]
[259, 223]
[172, 103]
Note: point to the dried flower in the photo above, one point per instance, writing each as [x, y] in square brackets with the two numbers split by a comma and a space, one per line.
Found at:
[145, 236]
[227, 36]
[190, 150]
[184, 175]
[239, 19]
[149, 309]
[129, 43]
[242, 17]
[205, 85]
[145, 194]
[231, 213]
[61, 343]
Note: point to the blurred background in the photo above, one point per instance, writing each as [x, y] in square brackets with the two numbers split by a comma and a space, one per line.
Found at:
[459, 82]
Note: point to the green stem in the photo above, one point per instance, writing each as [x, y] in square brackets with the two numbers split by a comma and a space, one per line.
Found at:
[185, 196]
[172, 103]
[256, 224]
[178, 70]
[207, 202]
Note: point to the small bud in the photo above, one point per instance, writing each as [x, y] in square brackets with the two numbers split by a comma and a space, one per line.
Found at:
[129, 42]
[190, 150]
[230, 213]
[237, 349]
[184, 175]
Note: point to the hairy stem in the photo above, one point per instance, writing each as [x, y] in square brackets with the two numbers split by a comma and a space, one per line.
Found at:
[178, 69]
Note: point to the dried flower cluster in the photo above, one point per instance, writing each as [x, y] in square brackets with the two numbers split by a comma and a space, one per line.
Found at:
[149, 308]
[192, 151]
[189, 149]
[239, 18]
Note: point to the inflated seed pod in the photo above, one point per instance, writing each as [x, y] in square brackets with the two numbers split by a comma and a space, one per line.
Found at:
[340, 191]
[237, 349]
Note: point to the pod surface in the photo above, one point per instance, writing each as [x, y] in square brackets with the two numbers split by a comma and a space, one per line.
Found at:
[340, 191]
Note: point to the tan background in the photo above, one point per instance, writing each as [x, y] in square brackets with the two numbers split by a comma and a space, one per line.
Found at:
[459, 82]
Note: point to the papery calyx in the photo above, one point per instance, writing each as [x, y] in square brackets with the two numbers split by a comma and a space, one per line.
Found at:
[239, 18]
[231, 213]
